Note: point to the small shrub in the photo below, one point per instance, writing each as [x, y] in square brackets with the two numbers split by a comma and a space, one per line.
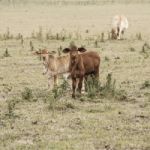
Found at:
[70, 105]
[27, 94]
[70, 36]
[109, 36]
[60, 90]
[33, 35]
[39, 34]
[31, 46]
[110, 85]
[102, 37]
[145, 50]
[139, 36]
[6, 53]
[145, 47]
[146, 84]
[132, 49]
[91, 86]
[11, 106]
[64, 106]
[63, 38]
[108, 90]
[52, 101]
[57, 36]
[19, 36]
[120, 95]
[65, 85]
[107, 58]
[96, 44]
[7, 35]
[56, 94]
[49, 36]
[22, 41]
[86, 31]
[59, 50]
[78, 35]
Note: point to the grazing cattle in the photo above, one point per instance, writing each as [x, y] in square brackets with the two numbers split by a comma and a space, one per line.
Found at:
[82, 65]
[53, 65]
[119, 25]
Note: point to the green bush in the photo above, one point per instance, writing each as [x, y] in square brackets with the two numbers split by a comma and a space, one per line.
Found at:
[146, 84]
[27, 94]
[11, 107]
[108, 90]
[6, 53]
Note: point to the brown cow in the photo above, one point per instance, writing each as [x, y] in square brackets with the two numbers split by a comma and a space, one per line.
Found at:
[53, 65]
[82, 65]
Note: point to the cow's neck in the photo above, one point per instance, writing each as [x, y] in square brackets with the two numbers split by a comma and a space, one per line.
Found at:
[51, 63]
[78, 65]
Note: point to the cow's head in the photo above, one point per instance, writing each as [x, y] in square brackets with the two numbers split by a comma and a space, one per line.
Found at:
[74, 53]
[45, 55]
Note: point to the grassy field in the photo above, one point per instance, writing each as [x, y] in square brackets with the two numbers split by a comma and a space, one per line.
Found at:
[32, 117]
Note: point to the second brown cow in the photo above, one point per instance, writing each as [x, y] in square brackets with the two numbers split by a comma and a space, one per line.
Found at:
[82, 65]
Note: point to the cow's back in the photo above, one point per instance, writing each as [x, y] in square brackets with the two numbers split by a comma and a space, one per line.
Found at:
[124, 22]
[62, 64]
[120, 21]
[91, 61]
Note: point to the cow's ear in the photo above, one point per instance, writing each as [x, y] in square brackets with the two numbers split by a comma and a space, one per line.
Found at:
[66, 50]
[36, 53]
[82, 49]
[52, 52]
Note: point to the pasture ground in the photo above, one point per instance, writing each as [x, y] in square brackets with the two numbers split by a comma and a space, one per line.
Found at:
[82, 124]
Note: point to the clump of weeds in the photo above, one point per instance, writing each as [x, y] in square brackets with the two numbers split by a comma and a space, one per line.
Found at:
[146, 84]
[11, 107]
[139, 36]
[107, 90]
[27, 94]
[6, 53]
[145, 50]
[54, 98]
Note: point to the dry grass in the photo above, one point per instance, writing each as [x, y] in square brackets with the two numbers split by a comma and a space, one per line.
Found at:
[31, 119]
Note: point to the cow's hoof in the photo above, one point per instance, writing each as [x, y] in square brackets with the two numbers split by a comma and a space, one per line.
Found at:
[73, 96]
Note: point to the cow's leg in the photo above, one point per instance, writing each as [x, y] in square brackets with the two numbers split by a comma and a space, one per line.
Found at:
[118, 33]
[49, 82]
[80, 84]
[49, 79]
[55, 80]
[122, 33]
[74, 82]
[45, 70]
[85, 83]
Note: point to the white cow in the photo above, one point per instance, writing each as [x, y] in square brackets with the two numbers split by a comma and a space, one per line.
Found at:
[119, 25]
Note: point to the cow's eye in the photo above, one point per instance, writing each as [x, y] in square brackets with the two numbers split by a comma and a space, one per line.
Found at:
[43, 58]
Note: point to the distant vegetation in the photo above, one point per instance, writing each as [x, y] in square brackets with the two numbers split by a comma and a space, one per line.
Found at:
[72, 2]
